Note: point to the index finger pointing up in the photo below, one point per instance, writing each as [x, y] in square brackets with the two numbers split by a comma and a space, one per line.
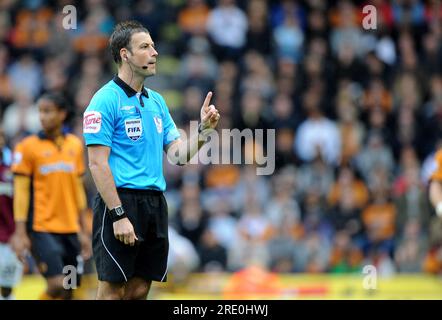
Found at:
[207, 100]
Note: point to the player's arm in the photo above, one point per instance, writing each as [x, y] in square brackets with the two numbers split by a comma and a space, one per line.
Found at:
[180, 152]
[22, 195]
[84, 235]
[104, 181]
[81, 202]
[436, 196]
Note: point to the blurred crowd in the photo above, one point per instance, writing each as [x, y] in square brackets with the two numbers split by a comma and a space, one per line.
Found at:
[357, 114]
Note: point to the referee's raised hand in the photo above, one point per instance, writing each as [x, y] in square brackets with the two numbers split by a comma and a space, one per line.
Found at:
[124, 231]
[209, 114]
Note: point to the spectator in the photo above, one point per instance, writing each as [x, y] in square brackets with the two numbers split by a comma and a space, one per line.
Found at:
[31, 30]
[376, 153]
[351, 130]
[254, 230]
[284, 155]
[183, 257]
[379, 219]
[348, 183]
[317, 133]
[191, 221]
[346, 217]
[5, 81]
[21, 118]
[198, 67]
[212, 254]
[286, 235]
[289, 39]
[283, 208]
[315, 176]
[192, 19]
[411, 249]
[347, 34]
[25, 76]
[377, 96]
[222, 224]
[345, 256]
[259, 33]
[227, 26]
[311, 255]
[411, 199]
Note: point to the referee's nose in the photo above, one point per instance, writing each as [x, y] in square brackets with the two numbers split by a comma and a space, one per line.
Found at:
[153, 52]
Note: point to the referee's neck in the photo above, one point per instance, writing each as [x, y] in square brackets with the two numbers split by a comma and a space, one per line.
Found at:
[131, 79]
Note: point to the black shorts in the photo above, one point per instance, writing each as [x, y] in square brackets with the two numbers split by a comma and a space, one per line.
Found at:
[57, 254]
[117, 262]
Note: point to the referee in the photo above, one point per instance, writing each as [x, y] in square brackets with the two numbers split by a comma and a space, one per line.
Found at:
[126, 129]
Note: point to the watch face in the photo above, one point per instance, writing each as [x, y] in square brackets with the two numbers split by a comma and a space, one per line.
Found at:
[119, 211]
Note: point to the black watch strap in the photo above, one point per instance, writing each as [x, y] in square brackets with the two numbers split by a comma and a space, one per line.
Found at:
[204, 133]
[200, 128]
[117, 213]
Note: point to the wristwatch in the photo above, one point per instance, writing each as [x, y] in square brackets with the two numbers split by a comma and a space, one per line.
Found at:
[117, 213]
[204, 133]
[200, 127]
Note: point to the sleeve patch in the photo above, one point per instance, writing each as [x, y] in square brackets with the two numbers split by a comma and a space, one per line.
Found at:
[91, 122]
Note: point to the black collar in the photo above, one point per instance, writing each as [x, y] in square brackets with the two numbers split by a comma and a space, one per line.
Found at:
[127, 89]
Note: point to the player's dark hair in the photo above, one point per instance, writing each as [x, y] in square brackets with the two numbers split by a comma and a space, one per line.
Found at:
[58, 99]
[61, 102]
[122, 35]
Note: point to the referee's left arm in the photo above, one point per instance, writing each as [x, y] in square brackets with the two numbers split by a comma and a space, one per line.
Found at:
[180, 152]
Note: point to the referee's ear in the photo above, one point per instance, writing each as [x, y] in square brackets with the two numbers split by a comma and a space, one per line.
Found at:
[123, 55]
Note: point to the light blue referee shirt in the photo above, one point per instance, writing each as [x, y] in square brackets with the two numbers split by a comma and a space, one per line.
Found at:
[136, 126]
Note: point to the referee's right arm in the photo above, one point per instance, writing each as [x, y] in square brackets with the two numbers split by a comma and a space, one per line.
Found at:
[104, 181]
[101, 172]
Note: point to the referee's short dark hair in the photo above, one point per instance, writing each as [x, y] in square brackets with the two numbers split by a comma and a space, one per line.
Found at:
[121, 36]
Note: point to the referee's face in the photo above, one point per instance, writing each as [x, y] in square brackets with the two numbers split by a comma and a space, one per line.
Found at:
[144, 55]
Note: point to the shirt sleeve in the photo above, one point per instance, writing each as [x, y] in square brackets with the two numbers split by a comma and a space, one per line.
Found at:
[22, 160]
[437, 173]
[171, 132]
[99, 118]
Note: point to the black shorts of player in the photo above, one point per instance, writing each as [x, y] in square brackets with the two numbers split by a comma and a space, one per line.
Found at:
[57, 254]
[117, 262]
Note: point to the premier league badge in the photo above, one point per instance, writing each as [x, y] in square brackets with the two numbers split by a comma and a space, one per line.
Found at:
[134, 128]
